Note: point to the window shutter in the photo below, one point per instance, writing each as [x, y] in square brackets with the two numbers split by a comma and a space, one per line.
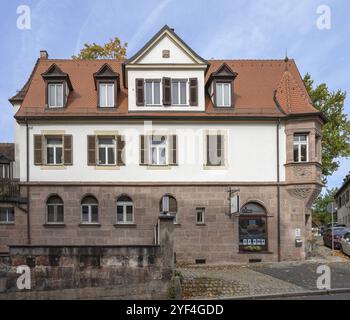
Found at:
[120, 150]
[166, 91]
[193, 92]
[38, 149]
[91, 142]
[67, 144]
[140, 92]
[172, 150]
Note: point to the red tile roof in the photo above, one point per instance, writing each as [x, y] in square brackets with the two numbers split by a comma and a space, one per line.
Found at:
[254, 88]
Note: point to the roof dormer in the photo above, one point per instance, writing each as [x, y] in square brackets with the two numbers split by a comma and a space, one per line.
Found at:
[220, 86]
[107, 87]
[57, 87]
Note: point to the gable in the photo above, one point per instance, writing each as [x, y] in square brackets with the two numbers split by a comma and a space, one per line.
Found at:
[166, 39]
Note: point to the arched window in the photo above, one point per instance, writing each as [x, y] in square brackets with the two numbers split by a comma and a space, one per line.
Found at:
[252, 228]
[55, 209]
[168, 205]
[125, 209]
[89, 210]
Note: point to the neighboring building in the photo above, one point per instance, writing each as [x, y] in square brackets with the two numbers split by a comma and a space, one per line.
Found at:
[112, 145]
[342, 198]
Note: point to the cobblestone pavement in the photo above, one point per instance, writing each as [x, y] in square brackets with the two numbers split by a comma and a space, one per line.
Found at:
[237, 280]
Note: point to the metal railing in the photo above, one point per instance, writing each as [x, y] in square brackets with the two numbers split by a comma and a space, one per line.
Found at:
[9, 189]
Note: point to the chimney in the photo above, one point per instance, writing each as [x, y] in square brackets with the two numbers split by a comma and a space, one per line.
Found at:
[44, 54]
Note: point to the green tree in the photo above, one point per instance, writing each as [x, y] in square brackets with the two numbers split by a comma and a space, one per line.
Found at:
[319, 208]
[336, 132]
[113, 49]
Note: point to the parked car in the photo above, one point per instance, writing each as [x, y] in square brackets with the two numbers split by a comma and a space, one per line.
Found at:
[329, 225]
[345, 243]
[338, 233]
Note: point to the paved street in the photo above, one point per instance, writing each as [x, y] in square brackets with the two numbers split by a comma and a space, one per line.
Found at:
[266, 278]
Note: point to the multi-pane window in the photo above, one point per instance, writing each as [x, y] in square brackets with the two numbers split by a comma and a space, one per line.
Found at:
[54, 150]
[152, 88]
[106, 150]
[125, 210]
[55, 210]
[89, 210]
[55, 92]
[168, 205]
[4, 171]
[200, 215]
[300, 147]
[106, 95]
[215, 150]
[159, 150]
[223, 94]
[179, 91]
[7, 215]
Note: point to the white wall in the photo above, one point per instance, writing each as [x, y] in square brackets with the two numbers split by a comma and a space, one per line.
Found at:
[251, 154]
[159, 74]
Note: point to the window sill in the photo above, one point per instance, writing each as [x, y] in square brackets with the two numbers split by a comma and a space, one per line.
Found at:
[211, 167]
[255, 252]
[54, 225]
[159, 167]
[48, 108]
[293, 163]
[7, 223]
[107, 167]
[125, 225]
[106, 108]
[177, 224]
[91, 225]
[53, 167]
[200, 224]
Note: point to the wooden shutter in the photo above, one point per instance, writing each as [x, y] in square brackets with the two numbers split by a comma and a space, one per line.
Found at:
[140, 92]
[193, 92]
[144, 149]
[120, 150]
[172, 150]
[91, 144]
[68, 152]
[38, 149]
[166, 91]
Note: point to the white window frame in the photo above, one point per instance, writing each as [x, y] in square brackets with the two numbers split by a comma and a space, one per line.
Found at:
[202, 210]
[179, 92]
[158, 147]
[299, 144]
[54, 147]
[89, 205]
[223, 94]
[107, 84]
[152, 92]
[7, 221]
[106, 147]
[55, 85]
[54, 205]
[125, 204]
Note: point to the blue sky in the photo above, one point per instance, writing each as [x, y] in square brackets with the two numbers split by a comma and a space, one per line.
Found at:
[215, 29]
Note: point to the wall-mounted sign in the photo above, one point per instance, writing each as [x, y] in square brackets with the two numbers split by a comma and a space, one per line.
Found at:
[234, 204]
[297, 232]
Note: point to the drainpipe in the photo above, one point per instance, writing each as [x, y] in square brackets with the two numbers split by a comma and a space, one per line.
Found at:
[28, 188]
[278, 192]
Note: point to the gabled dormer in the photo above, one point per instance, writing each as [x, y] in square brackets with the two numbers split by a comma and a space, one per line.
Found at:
[107, 87]
[57, 87]
[220, 86]
[165, 75]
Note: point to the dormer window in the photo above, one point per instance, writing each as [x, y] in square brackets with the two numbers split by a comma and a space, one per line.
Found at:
[58, 87]
[106, 84]
[223, 94]
[220, 87]
[106, 93]
[55, 91]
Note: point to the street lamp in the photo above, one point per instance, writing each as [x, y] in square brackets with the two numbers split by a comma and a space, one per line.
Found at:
[331, 208]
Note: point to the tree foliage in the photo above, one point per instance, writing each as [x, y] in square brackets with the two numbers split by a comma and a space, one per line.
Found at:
[113, 49]
[336, 132]
[319, 208]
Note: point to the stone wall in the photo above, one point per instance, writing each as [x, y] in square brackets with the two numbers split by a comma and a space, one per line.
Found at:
[138, 271]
